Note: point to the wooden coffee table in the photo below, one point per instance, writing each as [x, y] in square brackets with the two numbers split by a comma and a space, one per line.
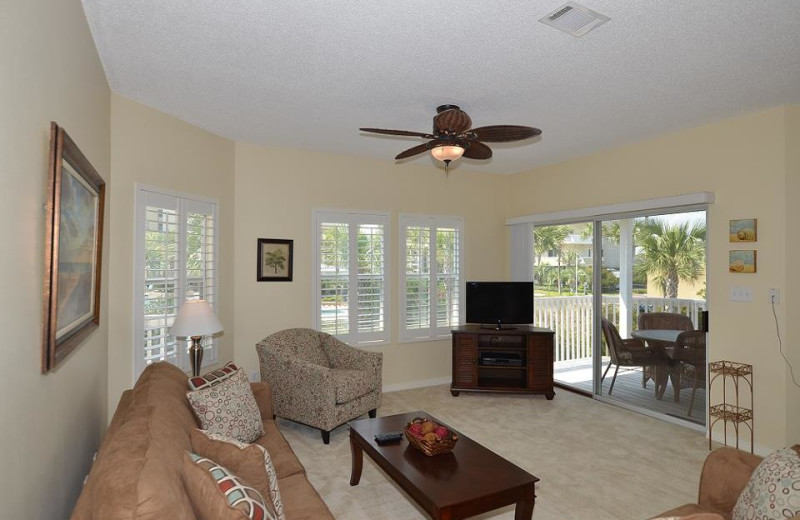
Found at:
[468, 481]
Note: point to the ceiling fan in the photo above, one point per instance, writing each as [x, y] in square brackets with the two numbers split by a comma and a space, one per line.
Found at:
[452, 137]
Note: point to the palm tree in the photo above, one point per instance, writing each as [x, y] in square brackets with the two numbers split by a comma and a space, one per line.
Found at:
[275, 259]
[550, 238]
[670, 254]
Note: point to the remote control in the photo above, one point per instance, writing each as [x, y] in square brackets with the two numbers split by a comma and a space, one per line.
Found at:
[388, 437]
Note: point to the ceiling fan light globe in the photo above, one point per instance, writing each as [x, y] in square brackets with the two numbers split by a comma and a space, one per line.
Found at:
[447, 153]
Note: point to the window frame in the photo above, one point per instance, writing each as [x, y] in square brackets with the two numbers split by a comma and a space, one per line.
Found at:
[434, 333]
[183, 202]
[352, 218]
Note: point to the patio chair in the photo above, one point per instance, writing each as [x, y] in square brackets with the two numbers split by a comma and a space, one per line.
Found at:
[690, 352]
[627, 353]
[666, 321]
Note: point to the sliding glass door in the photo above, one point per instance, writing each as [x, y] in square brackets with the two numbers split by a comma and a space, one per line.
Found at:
[653, 269]
[563, 284]
[627, 315]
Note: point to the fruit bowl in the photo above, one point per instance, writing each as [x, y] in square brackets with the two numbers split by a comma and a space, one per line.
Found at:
[429, 437]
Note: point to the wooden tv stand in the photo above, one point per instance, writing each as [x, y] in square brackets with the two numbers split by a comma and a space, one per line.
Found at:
[516, 360]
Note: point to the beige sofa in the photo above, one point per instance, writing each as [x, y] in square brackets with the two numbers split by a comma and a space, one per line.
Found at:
[725, 474]
[138, 470]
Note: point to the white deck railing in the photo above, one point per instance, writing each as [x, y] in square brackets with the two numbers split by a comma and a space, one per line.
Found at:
[571, 318]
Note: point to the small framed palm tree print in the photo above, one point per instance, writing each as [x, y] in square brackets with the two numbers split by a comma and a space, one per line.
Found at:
[274, 260]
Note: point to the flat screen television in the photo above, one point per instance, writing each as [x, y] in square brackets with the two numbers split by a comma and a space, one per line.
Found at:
[500, 304]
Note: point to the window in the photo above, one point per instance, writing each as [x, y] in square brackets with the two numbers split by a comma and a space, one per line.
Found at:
[430, 277]
[351, 287]
[176, 237]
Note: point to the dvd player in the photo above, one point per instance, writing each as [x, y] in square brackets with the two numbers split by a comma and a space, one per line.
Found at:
[501, 359]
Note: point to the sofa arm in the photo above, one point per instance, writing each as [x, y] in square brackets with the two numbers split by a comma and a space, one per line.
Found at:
[725, 474]
[263, 394]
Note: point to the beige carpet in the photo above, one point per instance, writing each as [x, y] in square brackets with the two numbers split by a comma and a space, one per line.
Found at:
[595, 461]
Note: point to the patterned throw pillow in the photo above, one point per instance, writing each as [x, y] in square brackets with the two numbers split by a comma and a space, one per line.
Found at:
[222, 496]
[235, 455]
[773, 492]
[213, 377]
[228, 408]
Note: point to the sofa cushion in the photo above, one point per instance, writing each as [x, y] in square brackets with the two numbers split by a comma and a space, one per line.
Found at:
[228, 408]
[301, 501]
[219, 494]
[212, 378]
[689, 511]
[251, 462]
[695, 516]
[773, 492]
[349, 384]
[283, 458]
[139, 473]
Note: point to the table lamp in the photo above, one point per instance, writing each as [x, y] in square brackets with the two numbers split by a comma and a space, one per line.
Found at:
[195, 319]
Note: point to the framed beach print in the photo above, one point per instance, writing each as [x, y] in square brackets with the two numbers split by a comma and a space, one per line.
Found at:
[274, 260]
[744, 230]
[742, 261]
[73, 249]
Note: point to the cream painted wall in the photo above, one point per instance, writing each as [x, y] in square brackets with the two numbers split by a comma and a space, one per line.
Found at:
[52, 423]
[276, 191]
[741, 160]
[152, 148]
[791, 295]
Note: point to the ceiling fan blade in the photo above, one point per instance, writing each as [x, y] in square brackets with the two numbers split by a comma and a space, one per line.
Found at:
[454, 120]
[397, 132]
[414, 151]
[504, 133]
[478, 150]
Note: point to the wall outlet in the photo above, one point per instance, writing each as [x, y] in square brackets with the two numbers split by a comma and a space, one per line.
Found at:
[774, 295]
[741, 294]
[255, 376]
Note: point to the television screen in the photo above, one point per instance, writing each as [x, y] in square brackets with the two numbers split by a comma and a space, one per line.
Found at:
[499, 303]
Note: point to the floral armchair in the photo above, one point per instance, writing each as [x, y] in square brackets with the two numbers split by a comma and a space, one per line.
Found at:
[319, 380]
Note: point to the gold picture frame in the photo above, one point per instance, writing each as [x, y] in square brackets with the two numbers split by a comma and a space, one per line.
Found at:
[73, 249]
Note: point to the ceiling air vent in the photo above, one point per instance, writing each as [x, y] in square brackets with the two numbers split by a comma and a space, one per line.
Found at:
[574, 19]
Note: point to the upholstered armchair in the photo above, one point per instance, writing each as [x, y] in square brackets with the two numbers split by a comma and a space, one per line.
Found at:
[319, 380]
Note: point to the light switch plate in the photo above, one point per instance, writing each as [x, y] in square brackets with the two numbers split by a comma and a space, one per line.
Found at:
[741, 294]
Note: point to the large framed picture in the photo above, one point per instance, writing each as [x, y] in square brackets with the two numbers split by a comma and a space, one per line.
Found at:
[274, 260]
[73, 249]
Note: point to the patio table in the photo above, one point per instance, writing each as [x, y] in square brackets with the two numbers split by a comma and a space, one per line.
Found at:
[663, 341]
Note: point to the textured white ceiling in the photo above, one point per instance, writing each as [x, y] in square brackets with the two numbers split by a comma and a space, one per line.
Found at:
[309, 73]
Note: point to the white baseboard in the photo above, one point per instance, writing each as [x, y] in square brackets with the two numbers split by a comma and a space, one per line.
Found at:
[744, 441]
[417, 384]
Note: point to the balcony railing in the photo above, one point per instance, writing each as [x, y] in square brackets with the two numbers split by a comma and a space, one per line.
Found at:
[571, 318]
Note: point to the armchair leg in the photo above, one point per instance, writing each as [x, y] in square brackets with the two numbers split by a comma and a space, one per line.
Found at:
[373, 413]
[326, 437]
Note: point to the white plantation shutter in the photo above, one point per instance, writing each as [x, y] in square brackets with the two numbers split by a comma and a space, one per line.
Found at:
[351, 287]
[175, 261]
[431, 276]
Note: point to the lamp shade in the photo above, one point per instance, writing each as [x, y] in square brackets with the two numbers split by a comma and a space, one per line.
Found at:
[447, 152]
[195, 318]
